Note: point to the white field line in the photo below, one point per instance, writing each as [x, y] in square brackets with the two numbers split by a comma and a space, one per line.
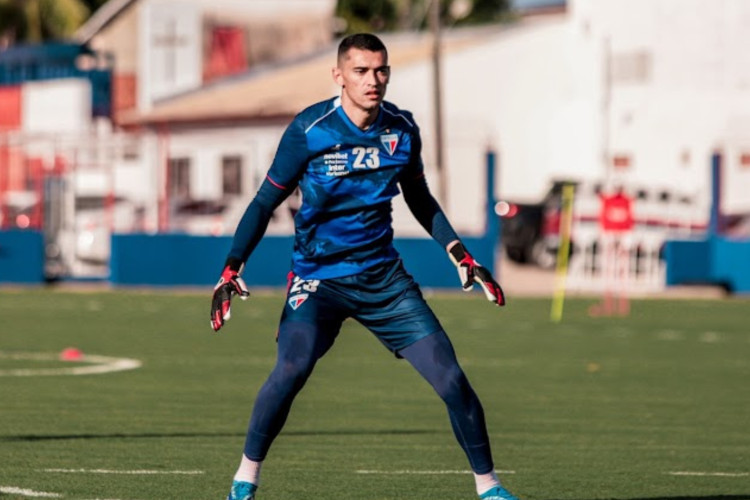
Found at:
[13, 490]
[423, 472]
[708, 474]
[98, 365]
[136, 472]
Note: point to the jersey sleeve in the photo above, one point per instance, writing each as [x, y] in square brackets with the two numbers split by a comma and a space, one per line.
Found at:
[291, 158]
[281, 180]
[415, 168]
[420, 201]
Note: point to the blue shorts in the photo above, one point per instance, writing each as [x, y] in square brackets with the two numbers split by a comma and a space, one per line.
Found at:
[385, 299]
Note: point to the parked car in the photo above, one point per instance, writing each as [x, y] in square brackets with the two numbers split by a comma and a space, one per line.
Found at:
[220, 217]
[203, 217]
[737, 226]
[531, 231]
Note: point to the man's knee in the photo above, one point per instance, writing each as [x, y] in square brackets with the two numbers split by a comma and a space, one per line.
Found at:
[453, 384]
[291, 373]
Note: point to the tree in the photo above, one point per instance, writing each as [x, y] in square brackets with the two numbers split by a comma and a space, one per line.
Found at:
[27, 21]
[386, 15]
[486, 11]
[93, 5]
[367, 15]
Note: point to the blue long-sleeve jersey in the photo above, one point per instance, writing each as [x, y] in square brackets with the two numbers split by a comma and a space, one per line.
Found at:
[348, 178]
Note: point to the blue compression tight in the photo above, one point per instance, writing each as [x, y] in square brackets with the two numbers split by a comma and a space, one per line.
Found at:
[432, 356]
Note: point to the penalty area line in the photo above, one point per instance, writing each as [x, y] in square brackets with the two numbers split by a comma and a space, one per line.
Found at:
[708, 474]
[136, 472]
[424, 472]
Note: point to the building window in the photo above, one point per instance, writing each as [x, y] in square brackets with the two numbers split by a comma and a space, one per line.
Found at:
[227, 54]
[231, 175]
[131, 150]
[179, 178]
[631, 67]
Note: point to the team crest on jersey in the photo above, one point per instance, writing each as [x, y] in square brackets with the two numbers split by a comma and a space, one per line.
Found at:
[390, 142]
[298, 300]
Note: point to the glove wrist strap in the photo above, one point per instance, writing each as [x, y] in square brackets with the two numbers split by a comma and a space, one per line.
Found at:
[234, 264]
[458, 252]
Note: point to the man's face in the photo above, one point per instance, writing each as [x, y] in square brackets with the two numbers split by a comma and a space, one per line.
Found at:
[363, 76]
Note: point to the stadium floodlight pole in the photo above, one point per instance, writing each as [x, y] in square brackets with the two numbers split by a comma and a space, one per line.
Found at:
[438, 103]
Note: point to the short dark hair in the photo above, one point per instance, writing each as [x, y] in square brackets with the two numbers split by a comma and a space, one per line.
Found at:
[361, 41]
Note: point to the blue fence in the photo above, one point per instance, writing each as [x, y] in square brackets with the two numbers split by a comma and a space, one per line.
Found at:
[21, 257]
[714, 261]
[183, 260]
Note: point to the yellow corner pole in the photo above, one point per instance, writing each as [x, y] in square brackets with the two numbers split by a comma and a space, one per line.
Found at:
[563, 251]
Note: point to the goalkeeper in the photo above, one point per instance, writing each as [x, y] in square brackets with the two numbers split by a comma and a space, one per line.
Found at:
[348, 155]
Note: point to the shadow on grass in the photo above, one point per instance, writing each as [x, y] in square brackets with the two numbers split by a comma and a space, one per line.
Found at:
[169, 435]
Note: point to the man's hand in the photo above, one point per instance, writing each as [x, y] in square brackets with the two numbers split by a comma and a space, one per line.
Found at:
[470, 271]
[229, 283]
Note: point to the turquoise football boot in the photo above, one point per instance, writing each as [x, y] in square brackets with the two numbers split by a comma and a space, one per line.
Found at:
[242, 490]
[498, 493]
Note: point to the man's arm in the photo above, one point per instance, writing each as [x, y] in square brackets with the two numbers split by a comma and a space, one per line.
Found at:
[282, 179]
[428, 213]
[418, 198]
[254, 222]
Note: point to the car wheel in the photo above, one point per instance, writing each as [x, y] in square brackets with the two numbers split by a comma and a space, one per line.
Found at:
[543, 256]
[516, 254]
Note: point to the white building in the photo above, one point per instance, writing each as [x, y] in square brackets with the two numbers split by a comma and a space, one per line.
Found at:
[657, 85]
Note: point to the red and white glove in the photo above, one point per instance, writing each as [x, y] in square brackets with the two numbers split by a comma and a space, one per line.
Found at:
[470, 271]
[229, 284]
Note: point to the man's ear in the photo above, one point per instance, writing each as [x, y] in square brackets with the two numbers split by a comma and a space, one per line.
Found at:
[336, 73]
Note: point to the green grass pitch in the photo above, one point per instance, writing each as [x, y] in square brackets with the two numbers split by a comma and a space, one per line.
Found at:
[655, 406]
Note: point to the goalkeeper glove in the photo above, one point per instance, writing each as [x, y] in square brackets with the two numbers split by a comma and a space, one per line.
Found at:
[229, 284]
[470, 271]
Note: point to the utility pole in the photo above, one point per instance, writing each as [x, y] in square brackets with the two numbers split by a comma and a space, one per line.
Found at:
[437, 94]
[606, 112]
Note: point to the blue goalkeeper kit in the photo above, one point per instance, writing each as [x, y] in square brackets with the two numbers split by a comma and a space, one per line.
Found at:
[344, 263]
[347, 177]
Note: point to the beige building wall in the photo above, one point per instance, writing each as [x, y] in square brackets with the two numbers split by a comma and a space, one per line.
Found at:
[119, 39]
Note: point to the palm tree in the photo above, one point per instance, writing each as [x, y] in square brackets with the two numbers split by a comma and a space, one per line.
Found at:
[39, 20]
